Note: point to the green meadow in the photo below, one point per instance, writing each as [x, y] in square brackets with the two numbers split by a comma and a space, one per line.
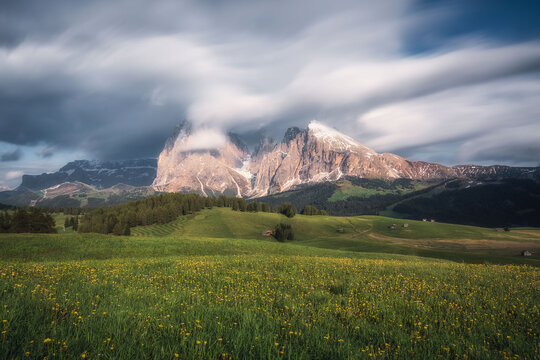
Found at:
[210, 286]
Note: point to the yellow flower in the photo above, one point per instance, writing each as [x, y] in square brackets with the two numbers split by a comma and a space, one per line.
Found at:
[176, 355]
[46, 341]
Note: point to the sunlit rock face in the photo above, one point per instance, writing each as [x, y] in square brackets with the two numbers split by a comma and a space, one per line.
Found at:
[206, 171]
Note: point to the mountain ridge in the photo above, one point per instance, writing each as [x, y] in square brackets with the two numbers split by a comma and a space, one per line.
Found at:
[307, 156]
[304, 156]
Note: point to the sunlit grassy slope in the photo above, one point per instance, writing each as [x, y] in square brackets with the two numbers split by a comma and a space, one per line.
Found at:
[362, 233]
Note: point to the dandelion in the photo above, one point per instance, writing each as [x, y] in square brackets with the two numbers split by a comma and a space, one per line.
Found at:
[47, 340]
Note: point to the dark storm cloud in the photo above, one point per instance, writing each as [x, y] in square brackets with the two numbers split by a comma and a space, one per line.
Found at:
[113, 78]
[11, 155]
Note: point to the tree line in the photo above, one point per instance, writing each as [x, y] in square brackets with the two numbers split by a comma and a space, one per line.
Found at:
[164, 208]
[32, 220]
[119, 219]
[160, 209]
[71, 221]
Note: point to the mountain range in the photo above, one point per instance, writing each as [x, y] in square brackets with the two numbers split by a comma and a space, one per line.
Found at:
[306, 157]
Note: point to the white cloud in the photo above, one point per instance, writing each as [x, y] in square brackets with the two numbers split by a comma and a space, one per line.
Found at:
[482, 119]
[13, 175]
[203, 139]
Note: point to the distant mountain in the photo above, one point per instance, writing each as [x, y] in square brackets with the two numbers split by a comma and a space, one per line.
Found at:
[74, 194]
[86, 183]
[99, 174]
[305, 156]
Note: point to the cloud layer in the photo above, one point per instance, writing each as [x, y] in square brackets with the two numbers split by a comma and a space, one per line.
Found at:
[112, 79]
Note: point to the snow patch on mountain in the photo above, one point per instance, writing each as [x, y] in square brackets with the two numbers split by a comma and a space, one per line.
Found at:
[336, 140]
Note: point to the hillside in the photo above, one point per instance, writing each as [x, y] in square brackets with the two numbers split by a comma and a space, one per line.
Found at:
[361, 234]
[507, 202]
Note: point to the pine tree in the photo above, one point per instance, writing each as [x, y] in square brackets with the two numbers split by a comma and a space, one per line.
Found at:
[283, 232]
[127, 230]
[287, 209]
[265, 207]
[242, 206]
[5, 222]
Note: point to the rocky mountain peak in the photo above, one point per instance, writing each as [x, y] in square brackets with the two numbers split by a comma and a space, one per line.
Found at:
[337, 140]
[291, 134]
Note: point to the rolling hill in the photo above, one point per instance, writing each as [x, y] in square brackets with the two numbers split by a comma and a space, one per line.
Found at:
[360, 234]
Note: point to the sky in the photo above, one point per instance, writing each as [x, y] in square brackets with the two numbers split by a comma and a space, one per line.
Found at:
[452, 82]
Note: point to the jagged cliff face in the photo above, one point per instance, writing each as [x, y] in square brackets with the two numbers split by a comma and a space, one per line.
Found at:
[320, 154]
[312, 155]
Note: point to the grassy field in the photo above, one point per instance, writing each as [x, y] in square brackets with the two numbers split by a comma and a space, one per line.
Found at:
[209, 286]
